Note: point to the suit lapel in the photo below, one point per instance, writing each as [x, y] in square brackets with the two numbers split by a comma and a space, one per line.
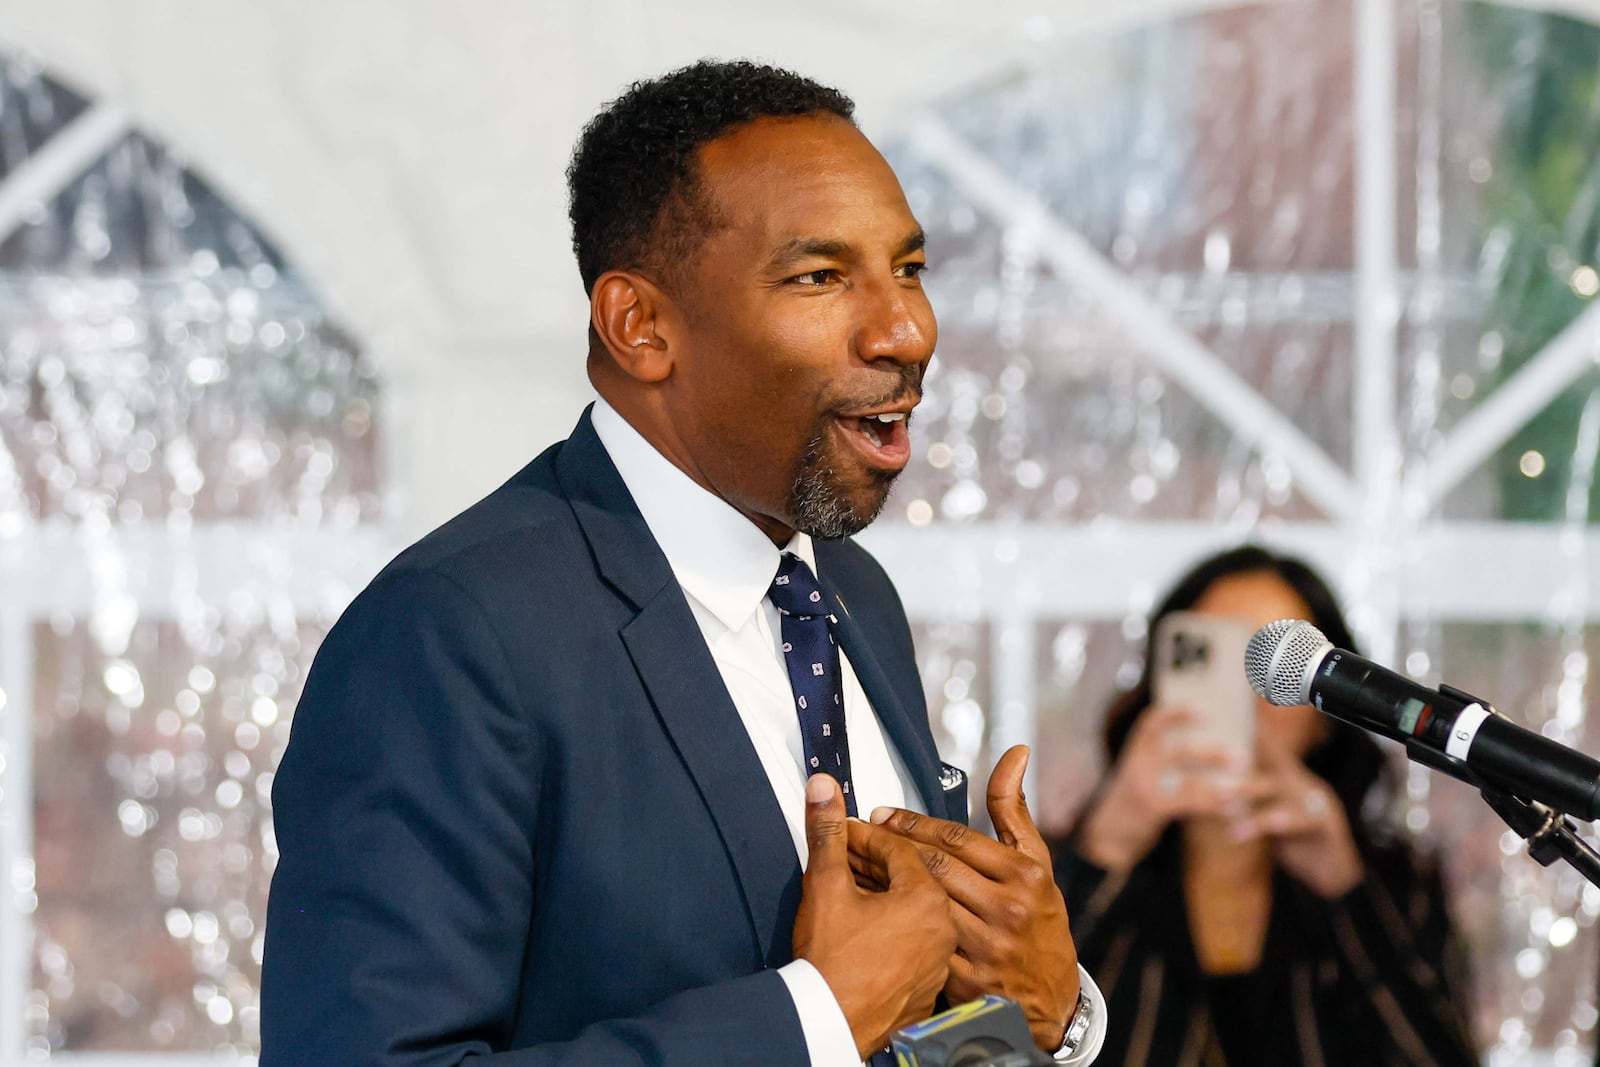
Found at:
[911, 738]
[687, 691]
[696, 710]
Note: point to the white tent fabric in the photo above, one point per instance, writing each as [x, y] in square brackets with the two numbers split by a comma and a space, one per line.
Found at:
[408, 158]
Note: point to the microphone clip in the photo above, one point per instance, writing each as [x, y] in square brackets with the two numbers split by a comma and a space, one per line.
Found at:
[1550, 834]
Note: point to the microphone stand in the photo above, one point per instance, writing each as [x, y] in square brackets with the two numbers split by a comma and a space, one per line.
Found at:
[1550, 834]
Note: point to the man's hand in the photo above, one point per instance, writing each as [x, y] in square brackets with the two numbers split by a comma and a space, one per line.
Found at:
[884, 954]
[1011, 921]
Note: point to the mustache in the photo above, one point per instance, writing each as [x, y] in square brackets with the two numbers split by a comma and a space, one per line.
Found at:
[907, 386]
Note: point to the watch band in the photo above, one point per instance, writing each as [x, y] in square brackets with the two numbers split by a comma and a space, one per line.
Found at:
[1077, 1029]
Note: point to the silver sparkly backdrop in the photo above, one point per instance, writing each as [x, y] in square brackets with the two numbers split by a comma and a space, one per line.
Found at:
[1212, 161]
[163, 370]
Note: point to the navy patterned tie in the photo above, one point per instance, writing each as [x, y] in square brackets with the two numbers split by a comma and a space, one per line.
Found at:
[813, 660]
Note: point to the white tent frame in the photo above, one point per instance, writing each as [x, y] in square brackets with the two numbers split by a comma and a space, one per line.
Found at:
[1393, 558]
[1012, 575]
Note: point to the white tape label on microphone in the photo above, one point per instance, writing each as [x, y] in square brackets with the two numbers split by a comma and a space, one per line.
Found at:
[1464, 730]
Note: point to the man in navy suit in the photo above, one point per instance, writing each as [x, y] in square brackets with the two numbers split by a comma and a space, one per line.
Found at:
[546, 799]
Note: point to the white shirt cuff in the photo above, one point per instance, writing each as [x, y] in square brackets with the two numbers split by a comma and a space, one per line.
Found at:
[829, 1041]
[1089, 1047]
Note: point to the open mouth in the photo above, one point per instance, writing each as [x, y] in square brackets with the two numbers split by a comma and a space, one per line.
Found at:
[881, 438]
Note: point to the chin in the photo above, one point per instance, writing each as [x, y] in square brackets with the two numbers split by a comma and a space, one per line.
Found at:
[828, 511]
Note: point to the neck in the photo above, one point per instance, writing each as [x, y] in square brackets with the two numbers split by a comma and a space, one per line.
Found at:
[651, 424]
[1210, 850]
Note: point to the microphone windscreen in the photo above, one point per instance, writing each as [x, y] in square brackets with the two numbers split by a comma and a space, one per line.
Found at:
[1278, 661]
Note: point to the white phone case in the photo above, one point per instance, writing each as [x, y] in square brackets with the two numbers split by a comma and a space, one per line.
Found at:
[1200, 666]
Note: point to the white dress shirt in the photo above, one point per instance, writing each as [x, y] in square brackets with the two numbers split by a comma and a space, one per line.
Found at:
[725, 565]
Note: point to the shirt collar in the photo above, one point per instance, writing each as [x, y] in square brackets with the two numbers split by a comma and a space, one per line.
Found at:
[719, 557]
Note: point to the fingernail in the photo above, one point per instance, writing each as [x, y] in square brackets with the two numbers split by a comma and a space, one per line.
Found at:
[881, 815]
[819, 789]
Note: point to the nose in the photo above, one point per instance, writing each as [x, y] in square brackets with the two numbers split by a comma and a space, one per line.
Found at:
[897, 325]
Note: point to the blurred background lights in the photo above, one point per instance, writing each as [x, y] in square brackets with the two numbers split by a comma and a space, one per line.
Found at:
[164, 372]
[1585, 282]
[177, 402]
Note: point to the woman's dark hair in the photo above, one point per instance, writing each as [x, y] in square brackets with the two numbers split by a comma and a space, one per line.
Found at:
[1347, 759]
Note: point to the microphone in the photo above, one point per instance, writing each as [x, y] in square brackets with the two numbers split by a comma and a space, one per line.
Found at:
[1290, 662]
[988, 1032]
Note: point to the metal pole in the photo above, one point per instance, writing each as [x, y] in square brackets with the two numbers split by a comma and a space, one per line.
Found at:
[18, 899]
[1178, 355]
[1375, 437]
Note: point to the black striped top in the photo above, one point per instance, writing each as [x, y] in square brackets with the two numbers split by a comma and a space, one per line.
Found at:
[1375, 978]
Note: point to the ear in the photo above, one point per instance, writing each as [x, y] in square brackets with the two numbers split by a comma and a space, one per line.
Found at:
[628, 312]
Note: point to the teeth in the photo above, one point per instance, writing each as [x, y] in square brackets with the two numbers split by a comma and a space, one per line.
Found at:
[893, 416]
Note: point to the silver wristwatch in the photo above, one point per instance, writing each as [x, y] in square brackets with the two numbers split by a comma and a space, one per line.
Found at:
[1077, 1029]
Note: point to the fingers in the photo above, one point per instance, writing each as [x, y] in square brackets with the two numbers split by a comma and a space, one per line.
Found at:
[1203, 759]
[1290, 813]
[971, 929]
[1161, 720]
[1284, 798]
[1166, 725]
[882, 859]
[827, 845]
[1205, 795]
[977, 851]
[870, 874]
[1164, 748]
[970, 964]
[964, 885]
[962, 983]
[1008, 806]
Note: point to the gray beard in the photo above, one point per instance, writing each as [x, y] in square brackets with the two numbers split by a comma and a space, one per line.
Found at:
[817, 505]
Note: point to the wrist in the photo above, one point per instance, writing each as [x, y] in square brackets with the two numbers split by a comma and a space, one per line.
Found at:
[1339, 887]
[1110, 840]
[1076, 1029]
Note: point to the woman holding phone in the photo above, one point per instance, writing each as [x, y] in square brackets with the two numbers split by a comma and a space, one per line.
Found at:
[1235, 900]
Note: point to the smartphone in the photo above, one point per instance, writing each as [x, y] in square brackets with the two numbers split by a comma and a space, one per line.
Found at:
[1200, 666]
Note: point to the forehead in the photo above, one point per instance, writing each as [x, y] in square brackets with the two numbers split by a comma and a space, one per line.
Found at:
[1255, 597]
[774, 179]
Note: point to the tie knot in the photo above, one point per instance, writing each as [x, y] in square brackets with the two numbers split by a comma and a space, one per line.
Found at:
[795, 590]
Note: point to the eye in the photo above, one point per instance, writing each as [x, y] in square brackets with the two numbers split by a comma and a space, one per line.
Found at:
[910, 270]
[816, 277]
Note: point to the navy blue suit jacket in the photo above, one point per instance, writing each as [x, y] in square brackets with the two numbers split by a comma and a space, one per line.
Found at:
[520, 820]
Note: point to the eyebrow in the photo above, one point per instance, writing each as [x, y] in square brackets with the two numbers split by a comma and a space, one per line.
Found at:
[914, 242]
[798, 248]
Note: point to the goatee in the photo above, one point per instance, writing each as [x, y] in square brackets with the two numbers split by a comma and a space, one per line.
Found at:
[822, 508]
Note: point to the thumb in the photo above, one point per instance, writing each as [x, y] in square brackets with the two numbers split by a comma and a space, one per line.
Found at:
[827, 838]
[1008, 808]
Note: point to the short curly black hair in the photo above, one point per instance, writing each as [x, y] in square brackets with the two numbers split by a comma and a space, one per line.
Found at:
[632, 176]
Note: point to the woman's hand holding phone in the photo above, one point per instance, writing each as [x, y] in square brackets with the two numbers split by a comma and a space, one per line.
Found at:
[1301, 816]
[1162, 775]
